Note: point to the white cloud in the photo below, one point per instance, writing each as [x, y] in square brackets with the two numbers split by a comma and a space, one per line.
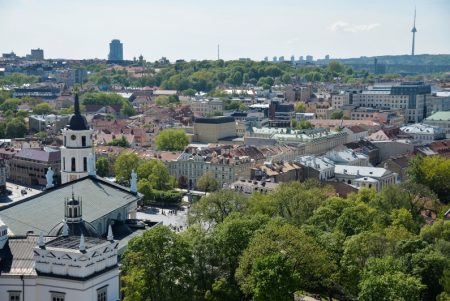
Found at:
[344, 26]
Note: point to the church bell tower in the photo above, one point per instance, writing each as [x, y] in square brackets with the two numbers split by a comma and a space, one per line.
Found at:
[77, 154]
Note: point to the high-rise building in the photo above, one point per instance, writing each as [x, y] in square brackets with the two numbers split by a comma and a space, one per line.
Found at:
[115, 51]
[37, 54]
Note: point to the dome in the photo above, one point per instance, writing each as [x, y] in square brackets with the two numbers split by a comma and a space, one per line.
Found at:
[78, 122]
[75, 229]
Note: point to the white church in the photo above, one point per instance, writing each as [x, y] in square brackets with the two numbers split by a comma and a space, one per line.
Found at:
[59, 245]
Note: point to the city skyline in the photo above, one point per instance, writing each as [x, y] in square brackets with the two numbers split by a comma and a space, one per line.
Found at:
[192, 29]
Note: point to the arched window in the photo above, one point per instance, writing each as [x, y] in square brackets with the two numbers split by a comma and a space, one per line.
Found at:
[85, 164]
[75, 214]
[73, 168]
[83, 141]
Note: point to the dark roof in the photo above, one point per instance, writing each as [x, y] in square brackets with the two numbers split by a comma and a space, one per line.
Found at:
[73, 242]
[17, 255]
[361, 144]
[357, 129]
[239, 114]
[83, 227]
[402, 161]
[214, 120]
[78, 122]
[39, 155]
[43, 211]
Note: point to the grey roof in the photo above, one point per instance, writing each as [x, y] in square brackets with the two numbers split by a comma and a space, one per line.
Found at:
[17, 256]
[73, 242]
[39, 154]
[44, 211]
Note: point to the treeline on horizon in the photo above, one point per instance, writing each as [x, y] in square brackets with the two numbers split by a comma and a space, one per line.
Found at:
[207, 76]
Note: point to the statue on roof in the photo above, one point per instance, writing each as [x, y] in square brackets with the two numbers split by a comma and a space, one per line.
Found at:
[49, 176]
[91, 165]
[133, 182]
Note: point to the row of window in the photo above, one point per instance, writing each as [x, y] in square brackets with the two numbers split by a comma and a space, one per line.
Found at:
[73, 164]
[102, 295]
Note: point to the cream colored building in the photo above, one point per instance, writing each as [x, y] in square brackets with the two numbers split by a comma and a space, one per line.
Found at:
[226, 170]
[211, 130]
[408, 96]
[340, 100]
[316, 141]
[363, 176]
[206, 106]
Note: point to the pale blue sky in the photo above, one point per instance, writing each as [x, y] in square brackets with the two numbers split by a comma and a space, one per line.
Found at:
[191, 29]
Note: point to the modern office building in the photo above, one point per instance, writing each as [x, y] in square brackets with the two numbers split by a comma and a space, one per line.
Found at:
[408, 96]
[115, 51]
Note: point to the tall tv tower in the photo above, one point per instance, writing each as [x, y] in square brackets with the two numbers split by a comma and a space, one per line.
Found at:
[414, 30]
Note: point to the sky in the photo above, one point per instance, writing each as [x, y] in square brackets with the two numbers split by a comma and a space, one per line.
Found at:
[192, 29]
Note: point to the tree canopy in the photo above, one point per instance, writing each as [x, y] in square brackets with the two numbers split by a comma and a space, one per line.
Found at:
[299, 239]
[171, 140]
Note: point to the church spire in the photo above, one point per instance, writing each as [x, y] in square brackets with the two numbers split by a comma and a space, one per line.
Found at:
[77, 105]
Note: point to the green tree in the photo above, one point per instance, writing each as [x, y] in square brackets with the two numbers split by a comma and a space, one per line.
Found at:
[156, 266]
[434, 172]
[300, 107]
[102, 166]
[127, 109]
[231, 237]
[10, 104]
[122, 141]
[42, 109]
[294, 202]
[189, 92]
[337, 115]
[159, 177]
[215, 207]
[303, 264]
[207, 183]
[18, 79]
[358, 249]
[125, 163]
[171, 140]
[383, 280]
[15, 128]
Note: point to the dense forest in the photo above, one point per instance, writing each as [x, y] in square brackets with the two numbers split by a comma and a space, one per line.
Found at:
[302, 239]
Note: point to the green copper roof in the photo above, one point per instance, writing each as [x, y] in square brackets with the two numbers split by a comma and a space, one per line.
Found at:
[44, 211]
[440, 116]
